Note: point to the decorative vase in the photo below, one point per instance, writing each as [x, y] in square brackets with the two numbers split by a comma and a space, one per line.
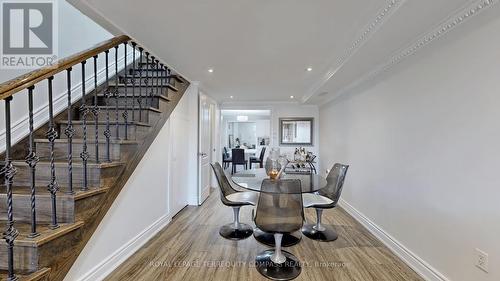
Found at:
[272, 164]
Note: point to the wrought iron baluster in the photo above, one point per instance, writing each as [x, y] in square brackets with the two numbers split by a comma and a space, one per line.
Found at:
[139, 99]
[158, 77]
[9, 170]
[117, 93]
[164, 74]
[95, 111]
[69, 132]
[149, 82]
[134, 69]
[84, 112]
[168, 76]
[151, 67]
[32, 159]
[146, 80]
[51, 135]
[125, 112]
[153, 79]
[107, 132]
[162, 80]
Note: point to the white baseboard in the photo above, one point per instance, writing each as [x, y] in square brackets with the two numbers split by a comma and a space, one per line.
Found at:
[420, 266]
[204, 195]
[104, 268]
[192, 201]
[20, 127]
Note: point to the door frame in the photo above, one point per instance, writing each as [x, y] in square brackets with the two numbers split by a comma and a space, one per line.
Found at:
[214, 112]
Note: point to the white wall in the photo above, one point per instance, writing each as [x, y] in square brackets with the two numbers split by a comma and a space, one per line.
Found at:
[263, 129]
[292, 110]
[76, 33]
[423, 148]
[184, 128]
[140, 210]
[143, 206]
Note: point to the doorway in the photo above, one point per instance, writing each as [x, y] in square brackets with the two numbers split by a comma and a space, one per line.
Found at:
[246, 129]
[207, 146]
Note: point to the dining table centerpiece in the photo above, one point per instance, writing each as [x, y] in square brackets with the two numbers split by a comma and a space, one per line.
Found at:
[272, 164]
[275, 164]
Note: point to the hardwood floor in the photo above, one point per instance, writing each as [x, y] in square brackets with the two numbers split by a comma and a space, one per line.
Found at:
[190, 248]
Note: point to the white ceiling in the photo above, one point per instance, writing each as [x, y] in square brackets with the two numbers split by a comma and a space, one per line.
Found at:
[238, 112]
[260, 50]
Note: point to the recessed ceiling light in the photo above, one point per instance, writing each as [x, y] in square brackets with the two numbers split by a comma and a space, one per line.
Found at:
[210, 70]
[292, 97]
[231, 97]
[309, 69]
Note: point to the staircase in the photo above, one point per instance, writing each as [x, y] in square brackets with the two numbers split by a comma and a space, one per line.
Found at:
[69, 171]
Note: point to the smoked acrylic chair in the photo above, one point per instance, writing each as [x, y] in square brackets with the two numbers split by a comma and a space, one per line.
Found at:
[234, 199]
[279, 211]
[325, 198]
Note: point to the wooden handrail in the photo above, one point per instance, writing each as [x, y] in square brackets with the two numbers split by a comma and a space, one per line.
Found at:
[29, 79]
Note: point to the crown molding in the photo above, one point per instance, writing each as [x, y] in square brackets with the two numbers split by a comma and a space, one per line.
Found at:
[472, 9]
[363, 37]
[257, 103]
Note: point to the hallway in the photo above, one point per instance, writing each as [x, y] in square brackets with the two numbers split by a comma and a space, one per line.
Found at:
[190, 248]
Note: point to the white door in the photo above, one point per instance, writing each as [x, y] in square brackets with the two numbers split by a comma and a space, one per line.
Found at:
[204, 149]
[179, 181]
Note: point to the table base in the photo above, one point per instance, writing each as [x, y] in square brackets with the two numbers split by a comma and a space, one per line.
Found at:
[268, 238]
[228, 231]
[288, 270]
[329, 234]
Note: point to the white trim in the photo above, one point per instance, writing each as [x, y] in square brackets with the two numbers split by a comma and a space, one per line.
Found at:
[193, 201]
[420, 266]
[204, 194]
[20, 128]
[364, 36]
[104, 268]
[473, 8]
[228, 104]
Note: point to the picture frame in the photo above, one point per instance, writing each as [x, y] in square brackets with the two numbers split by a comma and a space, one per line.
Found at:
[296, 131]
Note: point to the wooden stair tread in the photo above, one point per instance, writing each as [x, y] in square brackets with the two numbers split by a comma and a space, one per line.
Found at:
[39, 275]
[92, 122]
[41, 191]
[112, 140]
[46, 234]
[110, 107]
[176, 77]
[172, 87]
[75, 164]
[130, 95]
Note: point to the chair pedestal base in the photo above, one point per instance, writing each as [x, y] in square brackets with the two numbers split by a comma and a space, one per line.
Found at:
[328, 234]
[268, 238]
[288, 270]
[228, 231]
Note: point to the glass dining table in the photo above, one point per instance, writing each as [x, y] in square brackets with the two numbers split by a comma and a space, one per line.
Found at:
[252, 180]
